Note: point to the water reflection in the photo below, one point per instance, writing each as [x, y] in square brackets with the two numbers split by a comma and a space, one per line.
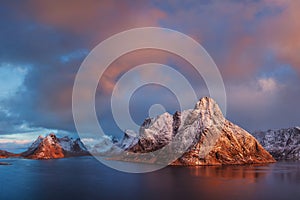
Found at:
[249, 172]
[286, 172]
[205, 182]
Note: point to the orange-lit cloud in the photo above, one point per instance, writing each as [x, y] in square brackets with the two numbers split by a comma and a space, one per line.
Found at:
[241, 34]
[93, 18]
[241, 56]
[128, 61]
[282, 33]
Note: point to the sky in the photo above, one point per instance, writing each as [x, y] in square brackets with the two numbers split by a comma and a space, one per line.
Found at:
[254, 43]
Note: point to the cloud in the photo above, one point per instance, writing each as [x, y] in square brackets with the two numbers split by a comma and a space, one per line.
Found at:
[282, 34]
[240, 43]
[92, 18]
[256, 94]
[15, 141]
[53, 37]
[264, 103]
[254, 43]
[268, 85]
[128, 61]
[11, 79]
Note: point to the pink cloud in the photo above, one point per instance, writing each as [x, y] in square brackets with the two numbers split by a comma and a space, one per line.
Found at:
[14, 141]
[95, 19]
[244, 38]
[282, 33]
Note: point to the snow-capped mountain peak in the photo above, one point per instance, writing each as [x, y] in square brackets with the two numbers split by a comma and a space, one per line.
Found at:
[52, 147]
[207, 137]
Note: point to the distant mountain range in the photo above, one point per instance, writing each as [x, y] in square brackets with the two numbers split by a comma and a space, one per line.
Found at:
[283, 144]
[212, 139]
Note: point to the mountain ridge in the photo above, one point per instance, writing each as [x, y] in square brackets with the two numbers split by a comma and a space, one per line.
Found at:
[7, 154]
[50, 147]
[215, 141]
[283, 144]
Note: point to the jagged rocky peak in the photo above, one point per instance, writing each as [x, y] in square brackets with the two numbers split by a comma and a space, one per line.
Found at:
[44, 148]
[209, 107]
[212, 139]
[209, 112]
[157, 132]
[51, 146]
[283, 144]
[153, 134]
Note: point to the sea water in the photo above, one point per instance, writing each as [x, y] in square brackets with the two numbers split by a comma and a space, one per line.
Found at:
[86, 178]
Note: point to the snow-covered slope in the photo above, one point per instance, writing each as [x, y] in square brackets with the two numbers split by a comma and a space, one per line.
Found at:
[283, 144]
[130, 139]
[101, 146]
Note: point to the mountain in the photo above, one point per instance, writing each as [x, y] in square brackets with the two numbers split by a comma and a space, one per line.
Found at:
[50, 147]
[202, 134]
[6, 154]
[283, 144]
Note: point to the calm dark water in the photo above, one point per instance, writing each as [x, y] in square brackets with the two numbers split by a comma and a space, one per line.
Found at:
[86, 178]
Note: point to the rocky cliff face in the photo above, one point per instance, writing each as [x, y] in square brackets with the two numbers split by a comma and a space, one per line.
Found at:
[52, 147]
[283, 144]
[212, 139]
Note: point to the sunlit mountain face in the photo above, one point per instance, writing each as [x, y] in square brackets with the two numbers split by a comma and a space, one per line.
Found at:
[44, 43]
